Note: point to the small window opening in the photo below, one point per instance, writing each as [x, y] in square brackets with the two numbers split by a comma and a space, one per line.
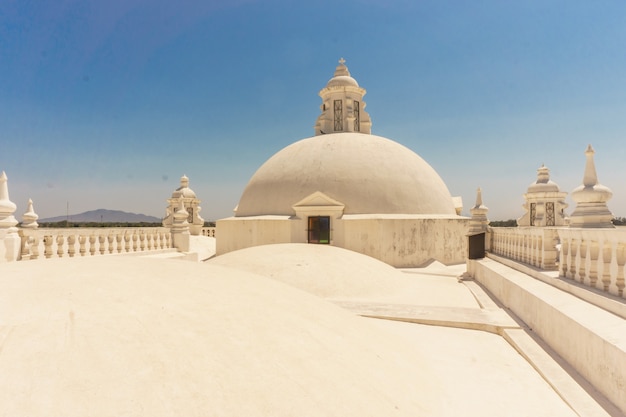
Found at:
[319, 229]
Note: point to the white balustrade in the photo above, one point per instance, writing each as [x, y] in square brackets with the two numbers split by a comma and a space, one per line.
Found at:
[208, 231]
[533, 245]
[90, 241]
[594, 257]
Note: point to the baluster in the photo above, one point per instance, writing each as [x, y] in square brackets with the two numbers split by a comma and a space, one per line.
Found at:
[92, 245]
[149, 239]
[525, 255]
[134, 242]
[505, 245]
[47, 246]
[47, 243]
[118, 240]
[126, 241]
[101, 240]
[574, 251]
[512, 250]
[620, 255]
[607, 250]
[81, 243]
[564, 257]
[594, 251]
[168, 240]
[34, 247]
[583, 260]
[71, 245]
[60, 240]
[508, 248]
[110, 240]
[498, 238]
[142, 241]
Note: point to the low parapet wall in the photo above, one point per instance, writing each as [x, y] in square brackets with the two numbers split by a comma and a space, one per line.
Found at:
[590, 339]
[53, 243]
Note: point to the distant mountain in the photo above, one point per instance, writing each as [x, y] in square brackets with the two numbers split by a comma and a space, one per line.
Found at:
[104, 216]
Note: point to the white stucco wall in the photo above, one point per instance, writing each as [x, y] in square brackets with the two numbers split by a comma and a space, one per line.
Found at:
[399, 240]
[237, 233]
[407, 241]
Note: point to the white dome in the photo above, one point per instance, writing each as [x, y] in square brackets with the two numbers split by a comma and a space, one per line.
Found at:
[369, 174]
[543, 183]
[539, 187]
[184, 189]
[342, 80]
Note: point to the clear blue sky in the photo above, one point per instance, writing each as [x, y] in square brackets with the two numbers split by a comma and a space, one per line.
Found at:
[105, 104]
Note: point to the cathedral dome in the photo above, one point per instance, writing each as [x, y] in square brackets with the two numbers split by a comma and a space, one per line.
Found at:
[368, 174]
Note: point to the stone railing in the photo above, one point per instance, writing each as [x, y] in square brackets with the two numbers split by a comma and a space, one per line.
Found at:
[536, 246]
[58, 243]
[594, 257]
[208, 231]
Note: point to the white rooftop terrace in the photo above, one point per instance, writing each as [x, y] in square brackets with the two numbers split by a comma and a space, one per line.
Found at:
[277, 330]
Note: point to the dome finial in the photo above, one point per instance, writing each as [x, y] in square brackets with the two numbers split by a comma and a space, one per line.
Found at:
[342, 69]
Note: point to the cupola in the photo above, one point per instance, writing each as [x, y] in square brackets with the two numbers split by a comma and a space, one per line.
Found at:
[187, 197]
[343, 108]
[545, 203]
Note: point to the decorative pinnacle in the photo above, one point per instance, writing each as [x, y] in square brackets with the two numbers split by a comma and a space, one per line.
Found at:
[479, 197]
[543, 175]
[342, 61]
[591, 177]
[4, 190]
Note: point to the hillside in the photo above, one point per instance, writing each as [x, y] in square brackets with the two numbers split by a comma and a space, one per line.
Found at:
[105, 216]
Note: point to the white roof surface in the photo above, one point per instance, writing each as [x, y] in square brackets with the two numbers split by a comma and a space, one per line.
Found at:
[117, 335]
